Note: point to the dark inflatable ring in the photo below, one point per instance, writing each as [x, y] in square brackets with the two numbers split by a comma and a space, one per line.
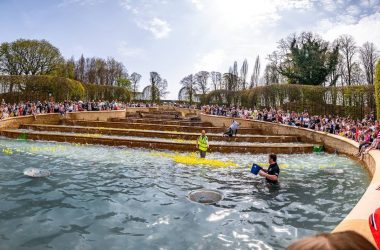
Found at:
[205, 196]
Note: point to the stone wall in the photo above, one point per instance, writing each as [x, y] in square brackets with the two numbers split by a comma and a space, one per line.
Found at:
[15, 122]
[96, 115]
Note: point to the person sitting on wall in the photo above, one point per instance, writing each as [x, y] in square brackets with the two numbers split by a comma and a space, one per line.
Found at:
[335, 241]
[202, 144]
[272, 173]
[232, 130]
[365, 142]
[375, 144]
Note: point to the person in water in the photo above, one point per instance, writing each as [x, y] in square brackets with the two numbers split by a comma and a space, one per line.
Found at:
[232, 130]
[202, 144]
[272, 173]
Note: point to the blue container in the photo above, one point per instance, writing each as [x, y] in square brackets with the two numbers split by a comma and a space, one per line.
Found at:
[255, 169]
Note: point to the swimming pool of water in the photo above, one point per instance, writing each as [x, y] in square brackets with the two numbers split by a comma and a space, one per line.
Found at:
[119, 198]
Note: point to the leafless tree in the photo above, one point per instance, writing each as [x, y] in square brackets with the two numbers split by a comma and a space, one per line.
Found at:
[189, 83]
[216, 78]
[135, 79]
[99, 71]
[256, 73]
[158, 87]
[271, 75]
[348, 49]
[201, 78]
[369, 56]
[243, 74]
[357, 74]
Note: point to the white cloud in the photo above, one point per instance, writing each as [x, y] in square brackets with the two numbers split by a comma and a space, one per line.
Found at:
[158, 27]
[329, 5]
[80, 2]
[125, 50]
[126, 4]
[353, 10]
[198, 4]
[363, 30]
[210, 61]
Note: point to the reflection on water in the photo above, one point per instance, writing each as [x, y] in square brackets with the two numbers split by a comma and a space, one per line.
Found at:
[118, 198]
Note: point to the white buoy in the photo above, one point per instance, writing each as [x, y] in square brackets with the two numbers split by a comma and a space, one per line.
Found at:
[334, 171]
[35, 172]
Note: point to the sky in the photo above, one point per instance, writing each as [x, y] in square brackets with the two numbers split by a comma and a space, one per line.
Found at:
[180, 37]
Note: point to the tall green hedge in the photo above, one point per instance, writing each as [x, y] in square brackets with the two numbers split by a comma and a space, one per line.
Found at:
[354, 101]
[377, 89]
[22, 88]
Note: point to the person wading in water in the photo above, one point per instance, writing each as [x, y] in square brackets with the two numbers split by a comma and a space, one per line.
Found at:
[202, 144]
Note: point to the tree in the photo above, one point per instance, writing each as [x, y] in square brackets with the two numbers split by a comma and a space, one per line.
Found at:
[216, 78]
[256, 73]
[190, 86]
[236, 80]
[377, 89]
[135, 79]
[65, 69]
[158, 87]
[80, 69]
[99, 71]
[368, 56]
[271, 75]
[125, 83]
[201, 78]
[347, 48]
[243, 74]
[309, 61]
[29, 57]
[230, 84]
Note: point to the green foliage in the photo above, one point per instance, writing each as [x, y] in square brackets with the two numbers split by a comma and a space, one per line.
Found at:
[354, 101]
[125, 83]
[309, 60]
[103, 92]
[29, 57]
[21, 88]
[377, 89]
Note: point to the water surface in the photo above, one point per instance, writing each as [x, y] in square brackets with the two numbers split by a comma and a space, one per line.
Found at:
[102, 197]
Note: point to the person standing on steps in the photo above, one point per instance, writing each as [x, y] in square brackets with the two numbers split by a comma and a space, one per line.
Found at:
[202, 144]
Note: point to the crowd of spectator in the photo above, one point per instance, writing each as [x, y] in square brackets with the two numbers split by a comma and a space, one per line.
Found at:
[43, 107]
[360, 130]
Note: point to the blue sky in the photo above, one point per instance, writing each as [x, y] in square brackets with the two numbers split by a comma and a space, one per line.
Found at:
[179, 37]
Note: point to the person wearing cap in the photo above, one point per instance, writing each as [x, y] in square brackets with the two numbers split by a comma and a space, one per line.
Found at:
[202, 144]
[272, 173]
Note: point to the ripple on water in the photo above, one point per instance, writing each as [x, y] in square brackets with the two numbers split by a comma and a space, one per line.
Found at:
[116, 198]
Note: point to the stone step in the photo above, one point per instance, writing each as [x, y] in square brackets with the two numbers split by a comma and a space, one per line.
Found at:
[162, 121]
[256, 148]
[159, 116]
[160, 127]
[159, 134]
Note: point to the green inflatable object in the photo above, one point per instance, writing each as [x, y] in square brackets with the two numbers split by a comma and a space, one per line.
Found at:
[317, 148]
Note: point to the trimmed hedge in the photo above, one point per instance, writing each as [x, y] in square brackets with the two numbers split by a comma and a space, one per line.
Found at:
[377, 89]
[22, 88]
[354, 101]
